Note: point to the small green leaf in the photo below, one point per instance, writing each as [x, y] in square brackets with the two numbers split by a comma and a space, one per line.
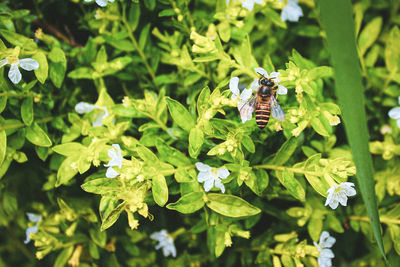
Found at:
[180, 115]
[203, 101]
[248, 143]
[69, 149]
[102, 186]
[43, 70]
[166, 13]
[27, 110]
[134, 15]
[3, 146]
[160, 189]
[369, 35]
[230, 205]
[171, 155]
[64, 256]
[188, 203]
[287, 179]
[196, 140]
[37, 136]
[81, 73]
[67, 170]
[3, 103]
[58, 66]
[98, 237]
[321, 125]
[224, 31]
[392, 51]
[146, 154]
[285, 152]
[112, 217]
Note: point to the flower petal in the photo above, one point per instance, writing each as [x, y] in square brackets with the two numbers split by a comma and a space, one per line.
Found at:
[3, 62]
[262, 72]
[33, 217]
[29, 64]
[29, 231]
[111, 173]
[254, 85]
[208, 184]
[203, 176]
[282, 90]
[102, 3]
[14, 74]
[83, 107]
[223, 173]
[245, 95]
[394, 113]
[202, 167]
[219, 185]
[234, 86]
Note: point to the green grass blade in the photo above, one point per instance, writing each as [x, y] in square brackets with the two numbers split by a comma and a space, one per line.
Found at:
[337, 19]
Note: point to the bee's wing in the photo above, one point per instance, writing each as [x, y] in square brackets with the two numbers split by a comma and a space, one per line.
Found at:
[246, 109]
[277, 111]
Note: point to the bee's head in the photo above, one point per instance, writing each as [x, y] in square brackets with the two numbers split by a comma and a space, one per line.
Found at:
[267, 82]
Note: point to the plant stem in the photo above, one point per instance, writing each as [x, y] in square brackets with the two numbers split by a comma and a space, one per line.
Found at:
[136, 45]
[21, 125]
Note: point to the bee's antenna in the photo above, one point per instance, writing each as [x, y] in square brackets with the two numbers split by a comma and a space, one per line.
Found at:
[261, 74]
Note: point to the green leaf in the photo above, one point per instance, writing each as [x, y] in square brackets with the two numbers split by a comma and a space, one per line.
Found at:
[150, 4]
[159, 189]
[3, 103]
[64, 256]
[171, 155]
[146, 154]
[203, 101]
[69, 149]
[180, 114]
[287, 179]
[196, 140]
[392, 51]
[224, 31]
[3, 146]
[27, 110]
[112, 217]
[43, 70]
[369, 35]
[285, 152]
[81, 73]
[188, 203]
[144, 36]
[248, 143]
[321, 125]
[58, 66]
[18, 39]
[67, 170]
[98, 237]
[340, 37]
[230, 205]
[37, 136]
[166, 13]
[134, 15]
[102, 186]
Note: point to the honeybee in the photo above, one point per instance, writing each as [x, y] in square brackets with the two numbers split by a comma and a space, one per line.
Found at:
[263, 103]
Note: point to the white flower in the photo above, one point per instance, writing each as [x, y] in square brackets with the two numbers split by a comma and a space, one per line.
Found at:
[394, 113]
[116, 161]
[14, 74]
[241, 97]
[165, 242]
[249, 4]
[32, 230]
[211, 176]
[101, 3]
[83, 107]
[325, 253]
[292, 11]
[339, 193]
[282, 90]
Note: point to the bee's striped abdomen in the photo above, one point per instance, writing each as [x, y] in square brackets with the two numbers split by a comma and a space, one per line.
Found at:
[263, 111]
